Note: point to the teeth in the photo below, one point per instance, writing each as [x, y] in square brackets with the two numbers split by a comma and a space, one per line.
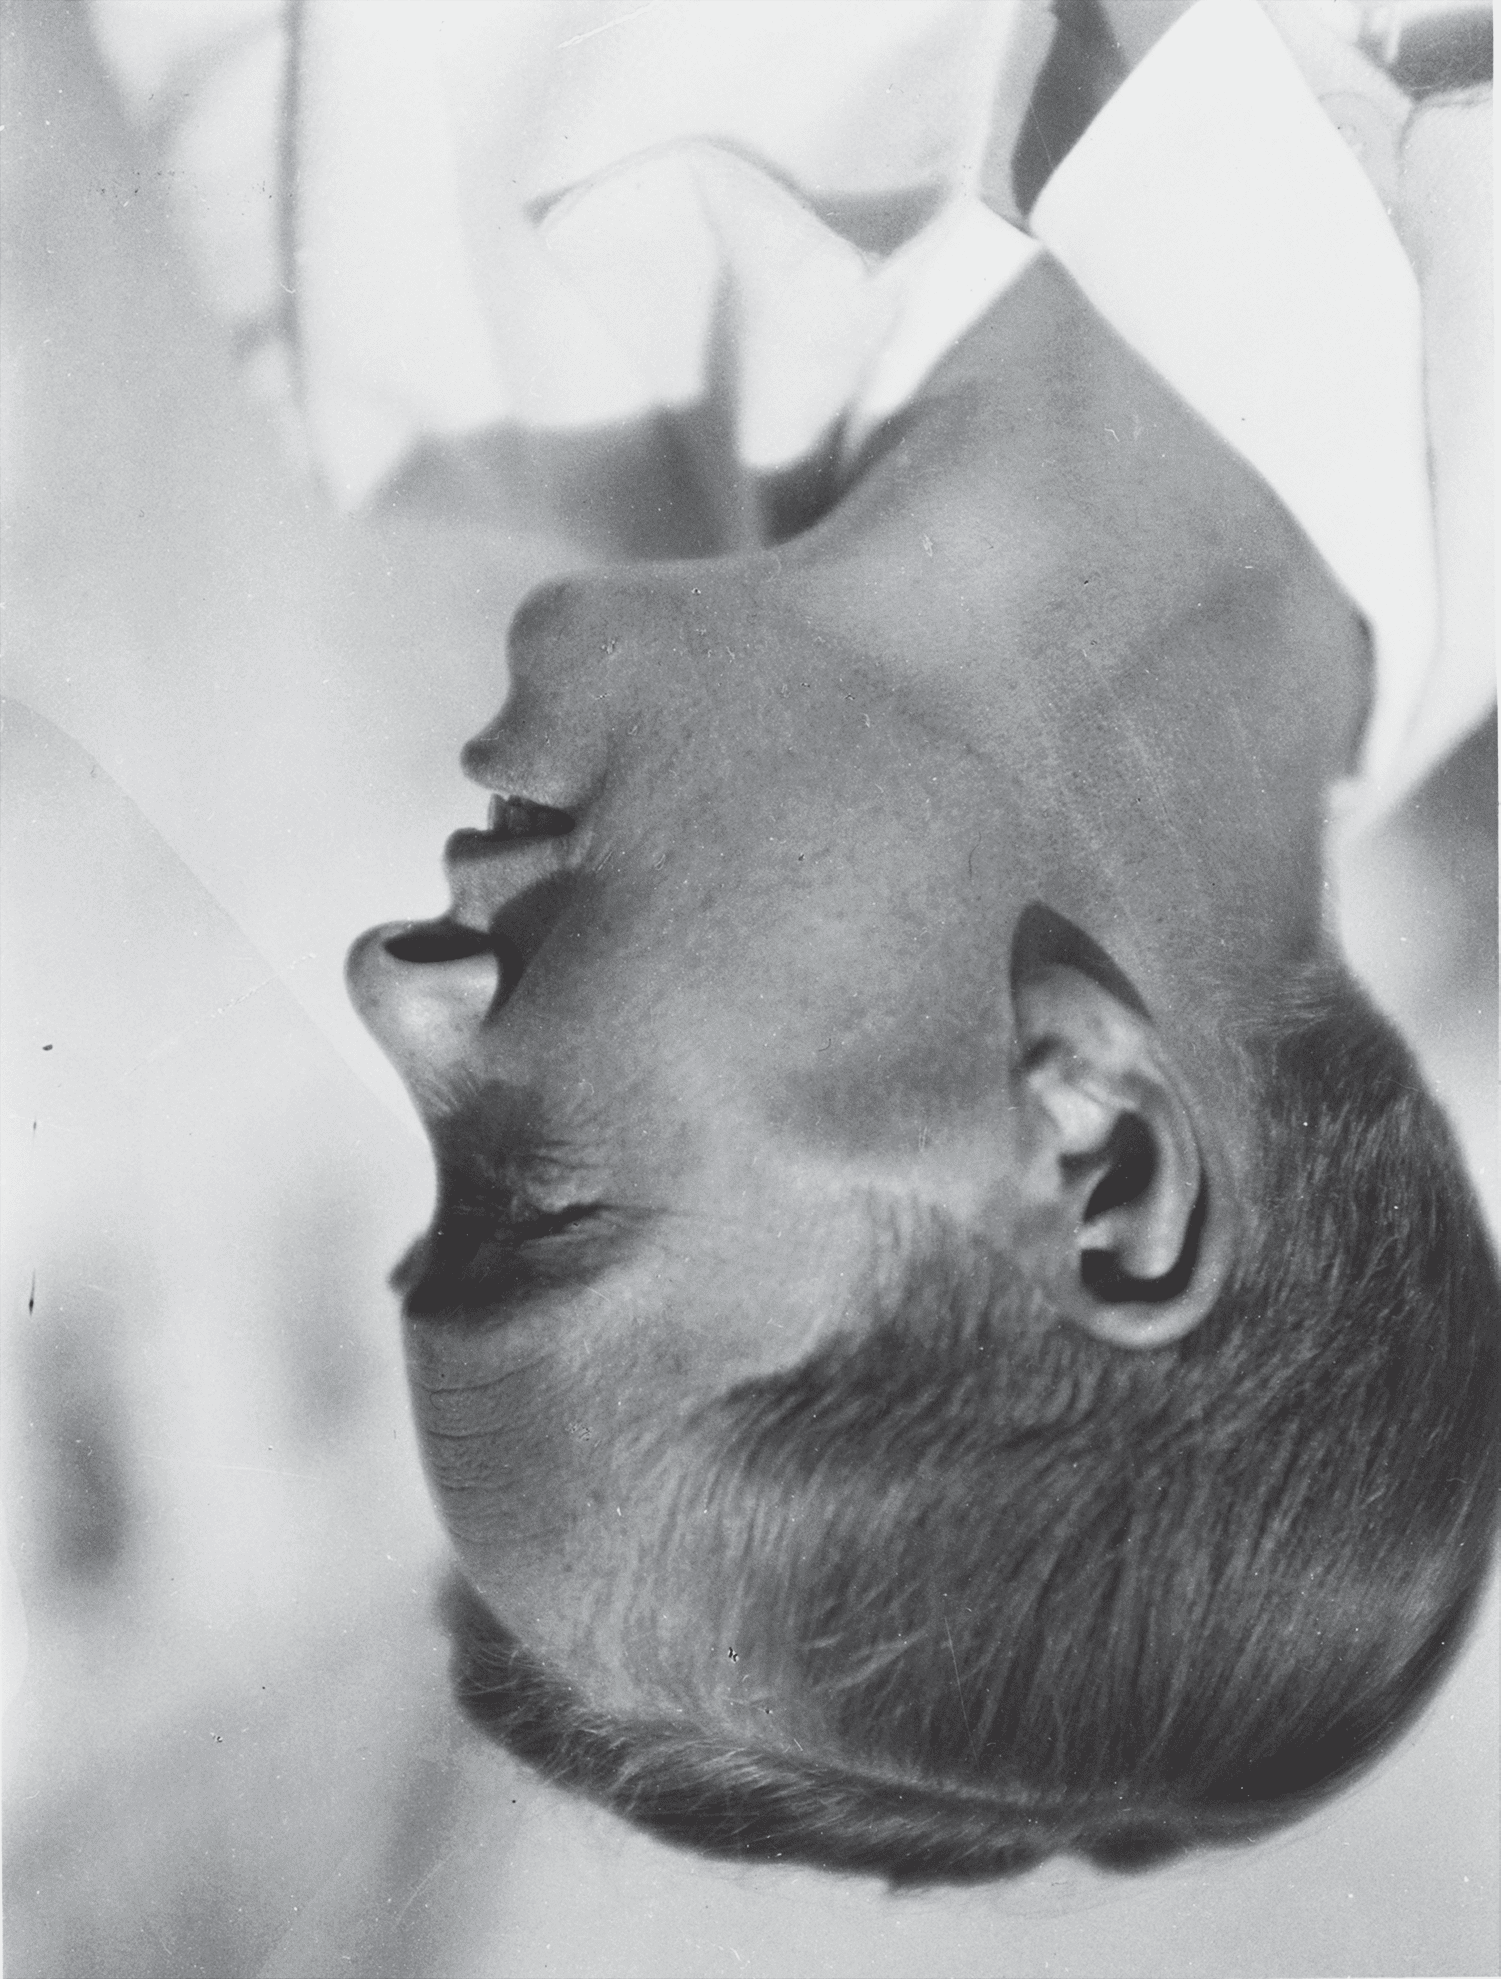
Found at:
[517, 817]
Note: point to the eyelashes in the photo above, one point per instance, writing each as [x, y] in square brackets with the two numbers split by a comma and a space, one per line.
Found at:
[505, 1205]
[527, 1222]
[474, 1266]
[518, 1209]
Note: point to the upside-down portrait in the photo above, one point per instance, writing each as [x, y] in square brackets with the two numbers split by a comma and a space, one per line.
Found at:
[859, 1335]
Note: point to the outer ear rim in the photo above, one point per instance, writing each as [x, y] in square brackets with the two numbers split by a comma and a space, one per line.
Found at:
[1141, 1324]
[1140, 1320]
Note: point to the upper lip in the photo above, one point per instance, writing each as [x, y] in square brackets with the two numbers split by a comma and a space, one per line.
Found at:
[523, 845]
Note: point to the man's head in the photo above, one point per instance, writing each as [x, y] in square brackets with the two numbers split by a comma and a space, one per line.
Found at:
[886, 1229]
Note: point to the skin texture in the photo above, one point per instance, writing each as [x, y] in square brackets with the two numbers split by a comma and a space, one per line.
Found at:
[1053, 645]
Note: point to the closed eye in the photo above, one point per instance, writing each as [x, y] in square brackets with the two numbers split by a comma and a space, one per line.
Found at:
[529, 1223]
[469, 1267]
[516, 1212]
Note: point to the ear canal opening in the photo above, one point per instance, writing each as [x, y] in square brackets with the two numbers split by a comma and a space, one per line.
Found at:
[1131, 1161]
[1105, 1280]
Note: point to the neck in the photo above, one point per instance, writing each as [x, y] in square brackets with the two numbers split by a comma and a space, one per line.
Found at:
[1112, 606]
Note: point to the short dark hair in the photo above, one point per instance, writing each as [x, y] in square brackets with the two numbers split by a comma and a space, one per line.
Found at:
[1003, 1590]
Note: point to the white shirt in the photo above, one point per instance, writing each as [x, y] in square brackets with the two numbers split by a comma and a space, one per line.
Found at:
[442, 219]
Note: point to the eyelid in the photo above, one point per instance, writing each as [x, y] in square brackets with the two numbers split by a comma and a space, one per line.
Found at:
[486, 1271]
[530, 1223]
[512, 1186]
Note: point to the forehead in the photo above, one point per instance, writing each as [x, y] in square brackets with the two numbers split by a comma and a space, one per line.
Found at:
[531, 1409]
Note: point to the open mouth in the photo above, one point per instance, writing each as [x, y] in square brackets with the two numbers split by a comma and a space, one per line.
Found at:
[514, 823]
[503, 900]
[514, 818]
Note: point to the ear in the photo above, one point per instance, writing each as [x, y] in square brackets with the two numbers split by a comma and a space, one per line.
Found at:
[1119, 1217]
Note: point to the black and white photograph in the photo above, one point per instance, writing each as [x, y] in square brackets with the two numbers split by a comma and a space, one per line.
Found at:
[750, 1020]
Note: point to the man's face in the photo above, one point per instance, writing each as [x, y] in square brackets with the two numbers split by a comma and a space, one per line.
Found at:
[742, 951]
[758, 962]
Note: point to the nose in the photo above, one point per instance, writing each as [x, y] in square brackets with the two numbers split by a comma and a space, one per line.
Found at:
[549, 742]
[424, 1015]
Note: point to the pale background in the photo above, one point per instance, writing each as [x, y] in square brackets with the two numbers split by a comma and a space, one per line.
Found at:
[232, 1694]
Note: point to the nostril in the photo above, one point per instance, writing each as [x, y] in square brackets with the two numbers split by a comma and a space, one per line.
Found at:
[438, 941]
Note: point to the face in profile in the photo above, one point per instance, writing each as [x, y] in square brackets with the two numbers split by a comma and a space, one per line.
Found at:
[781, 907]
[951, 869]
[731, 951]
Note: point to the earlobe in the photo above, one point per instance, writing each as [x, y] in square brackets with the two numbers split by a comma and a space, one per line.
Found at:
[1121, 1219]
